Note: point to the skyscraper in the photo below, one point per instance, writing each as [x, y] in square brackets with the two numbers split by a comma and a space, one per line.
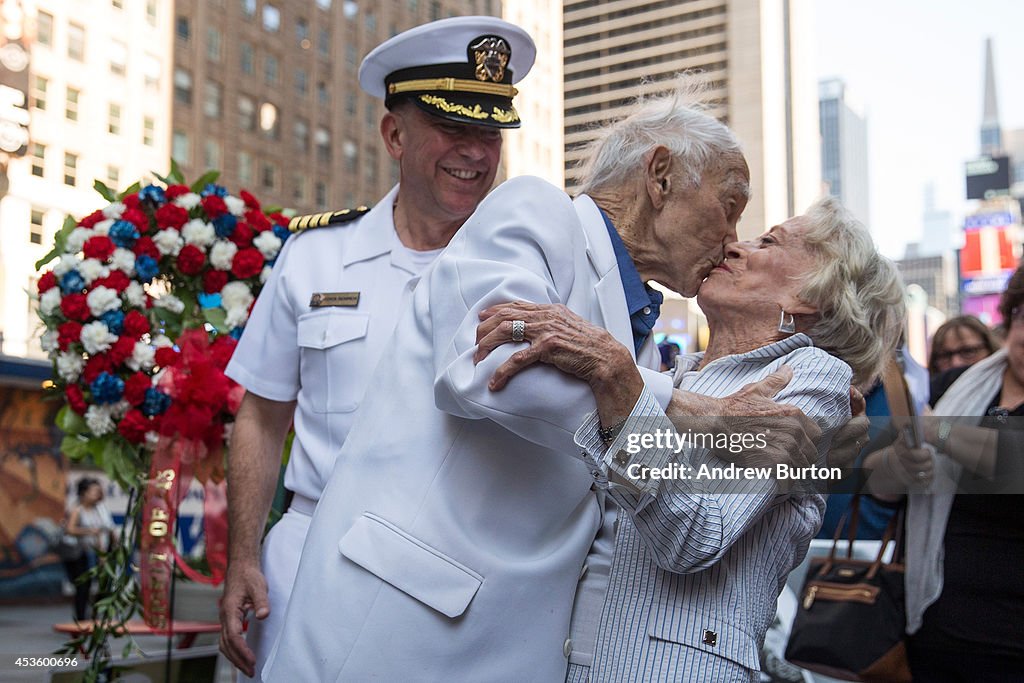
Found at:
[844, 147]
[991, 133]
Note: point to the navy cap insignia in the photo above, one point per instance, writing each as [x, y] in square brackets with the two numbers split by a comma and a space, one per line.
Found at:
[491, 55]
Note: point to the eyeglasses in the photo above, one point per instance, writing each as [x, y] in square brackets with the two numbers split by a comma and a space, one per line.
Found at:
[967, 353]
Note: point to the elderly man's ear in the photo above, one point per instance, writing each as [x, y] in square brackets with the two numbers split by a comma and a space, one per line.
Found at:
[658, 176]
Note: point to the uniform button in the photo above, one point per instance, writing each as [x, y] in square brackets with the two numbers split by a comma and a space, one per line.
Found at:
[567, 647]
[647, 310]
[583, 572]
[596, 474]
[710, 638]
[622, 457]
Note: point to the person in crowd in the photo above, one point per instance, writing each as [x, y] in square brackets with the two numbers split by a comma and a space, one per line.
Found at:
[668, 350]
[449, 541]
[322, 321]
[695, 569]
[90, 526]
[957, 344]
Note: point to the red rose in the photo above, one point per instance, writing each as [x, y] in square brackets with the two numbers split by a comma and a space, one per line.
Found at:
[95, 365]
[144, 246]
[47, 282]
[171, 216]
[135, 325]
[121, 350]
[74, 307]
[137, 218]
[131, 201]
[98, 247]
[221, 349]
[167, 357]
[92, 219]
[279, 219]
[214, 206]
[242, 236]
[257, 220]
[75, 399]
[214, 281]
[247, 263]
[135, 388]
[175, 191]
[117, 281]
[67, 334]
[134, 426]
[190, 259]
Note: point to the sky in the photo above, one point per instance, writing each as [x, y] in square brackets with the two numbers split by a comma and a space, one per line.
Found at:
[917, 67]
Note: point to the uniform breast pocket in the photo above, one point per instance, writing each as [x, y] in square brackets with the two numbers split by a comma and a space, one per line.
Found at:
[332, 349]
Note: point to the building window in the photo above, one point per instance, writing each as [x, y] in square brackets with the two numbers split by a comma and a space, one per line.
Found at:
[323, 42]
[302, 32]
[148, 130]
[371, 23]
[351, 154]
[248, 59]
[44, 29]
[212, 99]
[350, 103]
[269, 121]
[321, 195]
[35, 228]
[183, 28]
[370, 165]
[324, 4]
[371, 114]
[244, 167]
[114, 119]
[70, 168]
[301, 83]
[322, 140]
[71, 104]
[182, 86]
[249, 8]
[180, 147]
[151, 12]
[270, 70]
[151, 70]
[76, 42]
[268, 175]
[322, 98]
[298, 187]
[300, 133]
[118, 58]
[246, 113]
[350, 8]
[37, 151]
[351, 55]
[435, 10]
[211, 153]
[213, 44]
[271, 18]
[38, 94]
[113, 176]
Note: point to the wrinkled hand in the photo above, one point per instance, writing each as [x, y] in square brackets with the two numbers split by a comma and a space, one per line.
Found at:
[557, 337]
[913, 467]
[790, 434]
[245, 588]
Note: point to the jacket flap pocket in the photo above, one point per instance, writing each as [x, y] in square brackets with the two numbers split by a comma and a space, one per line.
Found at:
[708, 634]
[410, 565]
[322, 330]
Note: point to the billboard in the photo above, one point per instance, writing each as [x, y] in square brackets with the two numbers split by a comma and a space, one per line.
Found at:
[988, 177]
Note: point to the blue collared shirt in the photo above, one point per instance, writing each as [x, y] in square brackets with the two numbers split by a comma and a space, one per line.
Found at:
[642, 301]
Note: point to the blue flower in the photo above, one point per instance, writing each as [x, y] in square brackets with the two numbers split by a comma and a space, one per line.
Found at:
[214, 189]
[209, 300]
[146, 268]
[155, 403]
[72, 282]
[153, 193]
[282, 232]
[224, 225]
[114, 320]
[123, 234]
[107, 388]
[236, 333]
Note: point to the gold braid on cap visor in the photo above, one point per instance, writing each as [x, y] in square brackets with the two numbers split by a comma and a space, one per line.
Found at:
[499, 115]
[452, 85]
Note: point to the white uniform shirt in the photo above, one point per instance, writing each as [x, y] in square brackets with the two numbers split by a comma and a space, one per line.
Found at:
[324, 357]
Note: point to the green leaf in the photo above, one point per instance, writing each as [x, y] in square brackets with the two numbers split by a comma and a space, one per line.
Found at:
[273, 208]
[208, 177]
[135, 187]
[176, 175]
[104, 191]
[60, 240]
[71, 422]
[74, 447]
[218, 318]
[163, 179]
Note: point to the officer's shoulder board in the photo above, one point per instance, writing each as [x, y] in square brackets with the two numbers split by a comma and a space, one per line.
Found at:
[327, 218]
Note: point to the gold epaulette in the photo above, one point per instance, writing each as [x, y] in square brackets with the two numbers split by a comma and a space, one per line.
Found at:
[321, 220]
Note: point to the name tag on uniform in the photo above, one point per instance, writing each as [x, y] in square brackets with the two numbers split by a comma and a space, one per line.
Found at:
[325, 299]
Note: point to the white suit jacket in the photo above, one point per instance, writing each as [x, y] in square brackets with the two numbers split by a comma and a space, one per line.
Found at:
[449, 540]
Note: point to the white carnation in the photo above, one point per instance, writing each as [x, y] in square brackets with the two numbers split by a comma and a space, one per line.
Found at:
[124, 260]
[49, 301]
[119, 409]
[77, 239]
[236, 317]
[98, 419]
[69, 366]
[91, 269]
[168, 241]
[170, 303]
[198, 232]
[101, 300]
[135, 295]
[67, 263]
[103, 227]
[114, 211]
[162, 341]
[142, 356]
[189, 200]
[265, 274]
[222, 254]
[152, 439]
[235, 295]
[235, 205]
[268, 243]
[96, 337]
[48, 341]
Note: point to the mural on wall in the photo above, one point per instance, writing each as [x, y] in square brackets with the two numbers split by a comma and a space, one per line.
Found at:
[33, 478]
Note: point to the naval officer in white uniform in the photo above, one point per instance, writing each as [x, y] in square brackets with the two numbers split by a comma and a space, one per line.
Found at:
[330, 305]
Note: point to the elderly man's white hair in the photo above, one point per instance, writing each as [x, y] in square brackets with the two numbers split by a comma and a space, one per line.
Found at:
[675, 119]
